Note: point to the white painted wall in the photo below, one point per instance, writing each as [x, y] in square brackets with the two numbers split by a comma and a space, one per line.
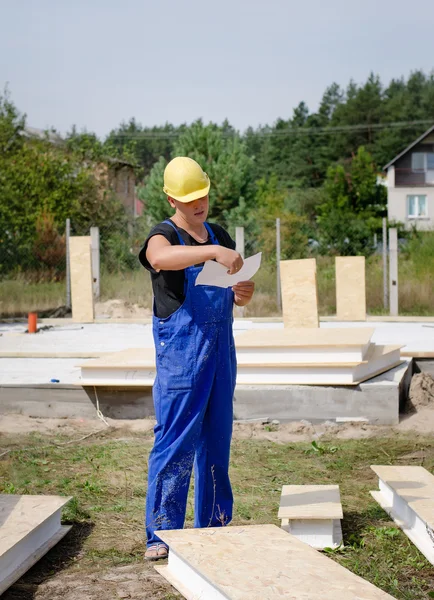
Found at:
[391, 177]
[397, 206]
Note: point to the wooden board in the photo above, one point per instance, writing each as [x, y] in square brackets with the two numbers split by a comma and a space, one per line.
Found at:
[345, 337]
[81, 279]
[382, 359]
[259, 562]
[131, 358]
[29, 527]
[417, 354]
[415, 485]
[310, 502]
[299, 293]
[131, 371]
[350, 288]
[407, 495]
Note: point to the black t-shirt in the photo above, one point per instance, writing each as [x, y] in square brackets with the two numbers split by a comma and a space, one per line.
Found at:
[168, 286]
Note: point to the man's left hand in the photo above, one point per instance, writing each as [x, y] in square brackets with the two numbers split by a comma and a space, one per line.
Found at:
[243, 292]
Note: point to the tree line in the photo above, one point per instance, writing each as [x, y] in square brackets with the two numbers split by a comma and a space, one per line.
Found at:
[317, 171]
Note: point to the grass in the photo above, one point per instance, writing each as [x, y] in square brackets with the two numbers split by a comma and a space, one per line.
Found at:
[415, 285]
[107, 478]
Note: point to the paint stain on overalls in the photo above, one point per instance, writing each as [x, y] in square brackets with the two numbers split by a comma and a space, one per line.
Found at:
[193, 398]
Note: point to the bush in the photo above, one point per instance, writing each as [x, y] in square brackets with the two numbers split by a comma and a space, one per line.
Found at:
[117, 254]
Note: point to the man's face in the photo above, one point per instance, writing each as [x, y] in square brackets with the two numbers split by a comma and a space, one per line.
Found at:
[193, 212]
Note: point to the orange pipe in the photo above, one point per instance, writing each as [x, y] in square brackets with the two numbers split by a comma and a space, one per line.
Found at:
[32, 322]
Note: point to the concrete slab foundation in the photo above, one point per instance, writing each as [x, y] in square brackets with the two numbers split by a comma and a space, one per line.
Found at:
[378, 401]
[25, 386]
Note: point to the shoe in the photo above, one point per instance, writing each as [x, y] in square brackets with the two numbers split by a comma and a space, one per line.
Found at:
[156, 552]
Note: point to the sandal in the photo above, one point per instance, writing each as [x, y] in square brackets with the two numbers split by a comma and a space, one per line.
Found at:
[156, 552]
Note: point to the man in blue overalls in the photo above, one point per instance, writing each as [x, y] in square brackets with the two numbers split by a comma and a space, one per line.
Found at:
[196, 363]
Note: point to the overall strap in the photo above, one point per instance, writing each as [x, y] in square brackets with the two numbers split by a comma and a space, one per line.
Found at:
[181, 241]
[207, 227]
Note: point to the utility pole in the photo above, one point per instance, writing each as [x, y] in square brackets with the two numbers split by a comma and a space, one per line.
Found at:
[278, 290]
[385, 274]
[393, 270]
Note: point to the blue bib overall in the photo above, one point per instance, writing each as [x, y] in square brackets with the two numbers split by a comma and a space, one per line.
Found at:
[193, 399]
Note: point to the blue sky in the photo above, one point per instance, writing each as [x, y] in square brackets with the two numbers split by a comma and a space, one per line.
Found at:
[94, 63]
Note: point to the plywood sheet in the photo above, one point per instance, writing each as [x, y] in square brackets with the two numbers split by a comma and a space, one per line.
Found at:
[302, 337]
[263, 562]
[131, 358]
[415, 485]
[299, 293]
[81, 279]
[350, 288]
[137, 368]
[310, 502]
[19, 515]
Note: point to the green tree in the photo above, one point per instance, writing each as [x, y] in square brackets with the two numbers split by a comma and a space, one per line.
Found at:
[42, 184]
[144, 144]
[222, 154]
[270, 201]
[354, 203]
[11, 126]
[37, 178]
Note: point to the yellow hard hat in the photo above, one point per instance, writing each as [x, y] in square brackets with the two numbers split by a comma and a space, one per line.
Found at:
[184, 180]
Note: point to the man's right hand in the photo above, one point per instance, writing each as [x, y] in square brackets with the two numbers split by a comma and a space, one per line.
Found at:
[231, 259]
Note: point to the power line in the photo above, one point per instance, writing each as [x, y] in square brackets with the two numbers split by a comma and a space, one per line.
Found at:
[290, 131]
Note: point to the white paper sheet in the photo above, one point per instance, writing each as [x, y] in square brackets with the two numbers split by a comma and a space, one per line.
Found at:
[213, 273]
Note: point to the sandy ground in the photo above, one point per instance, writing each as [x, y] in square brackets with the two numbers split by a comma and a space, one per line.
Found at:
[119, 309]
[140, 581]
[419, 419]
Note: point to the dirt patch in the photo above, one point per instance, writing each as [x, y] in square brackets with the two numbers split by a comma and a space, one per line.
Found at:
[119, 309]
[138, 581]
[421, 392]
[420, 422]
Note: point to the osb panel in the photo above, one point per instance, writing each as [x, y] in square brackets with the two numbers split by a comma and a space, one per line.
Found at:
[299, 293]
[132, 358]
[19, 515]
[263, 562]
[81, 279]
[297, 338]
[310, 502]
[415, 485]
[350, 288]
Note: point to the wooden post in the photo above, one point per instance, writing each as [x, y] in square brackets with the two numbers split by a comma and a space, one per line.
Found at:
[350, 288]
[68, 264]
[94, 236]
[81, 279]
[393, 271]
[299, 293]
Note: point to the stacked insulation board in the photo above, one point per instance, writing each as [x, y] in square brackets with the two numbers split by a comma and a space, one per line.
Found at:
[268, 357]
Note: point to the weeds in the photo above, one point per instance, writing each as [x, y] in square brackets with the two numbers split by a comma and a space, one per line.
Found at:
[416, 282]
[315, 448]
[107, 506]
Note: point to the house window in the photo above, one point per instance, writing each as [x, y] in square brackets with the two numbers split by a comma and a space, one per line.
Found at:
[422, 161]
[418, 161]
[417, 208]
